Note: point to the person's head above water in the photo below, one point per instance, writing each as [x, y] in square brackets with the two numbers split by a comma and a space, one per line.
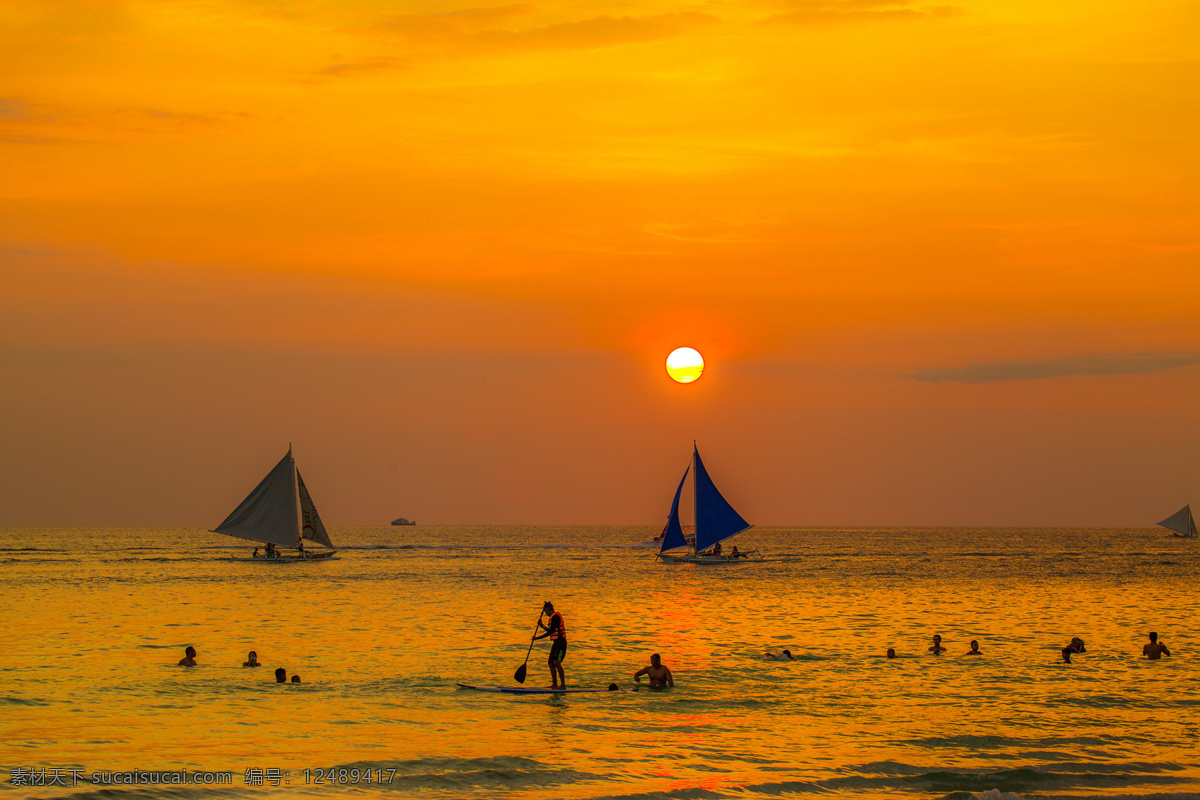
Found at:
[974, 644]
[1153, 636]
[937, 638]
[281, 675]
[656, 659]
[891, 653]
[787, 653]
[295, 679]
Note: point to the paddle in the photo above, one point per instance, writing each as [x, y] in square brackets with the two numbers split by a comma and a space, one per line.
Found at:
[519, 675]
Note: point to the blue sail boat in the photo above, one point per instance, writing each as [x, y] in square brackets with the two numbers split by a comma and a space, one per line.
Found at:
[716, 521]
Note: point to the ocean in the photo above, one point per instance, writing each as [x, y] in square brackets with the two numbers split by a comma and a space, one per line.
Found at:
[91, 699]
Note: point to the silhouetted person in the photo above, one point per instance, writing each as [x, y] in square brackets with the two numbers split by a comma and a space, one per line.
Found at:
[281, 675]
[786, 655]
[557, 631]
[974, 651]
[251, 660]
[295, 679]
[891, 653]
[1156, 649]
[936, 647]
[189, 658]
[660, 676]
[1076, 646]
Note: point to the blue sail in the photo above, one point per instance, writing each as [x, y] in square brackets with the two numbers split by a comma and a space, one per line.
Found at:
[673, 533]
[715, 518]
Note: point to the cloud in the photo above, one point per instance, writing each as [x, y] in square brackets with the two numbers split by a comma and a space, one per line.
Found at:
[13, 109]
[365, 67]
[495, 29]
[828, 12]
[452, 23]
[998, 371]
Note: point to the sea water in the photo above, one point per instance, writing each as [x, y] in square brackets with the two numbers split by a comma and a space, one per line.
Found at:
[95, 621]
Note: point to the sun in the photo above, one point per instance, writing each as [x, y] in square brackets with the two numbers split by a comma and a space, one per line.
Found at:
[685, 365]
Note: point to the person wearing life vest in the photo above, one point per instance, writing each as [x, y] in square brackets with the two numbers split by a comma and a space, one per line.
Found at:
[557, 631]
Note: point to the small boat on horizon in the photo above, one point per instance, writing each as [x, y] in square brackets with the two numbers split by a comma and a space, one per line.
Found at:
[1182, 522]
[716, 520]
[403, 521]
[279, 512]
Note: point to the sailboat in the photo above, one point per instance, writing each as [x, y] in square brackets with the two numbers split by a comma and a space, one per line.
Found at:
[716, 521]
[269, 515]
[1182, 522]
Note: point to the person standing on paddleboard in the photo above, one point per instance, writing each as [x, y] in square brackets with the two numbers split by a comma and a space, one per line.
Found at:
[557, 631]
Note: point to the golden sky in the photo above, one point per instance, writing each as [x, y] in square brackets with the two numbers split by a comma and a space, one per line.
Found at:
[943, 259]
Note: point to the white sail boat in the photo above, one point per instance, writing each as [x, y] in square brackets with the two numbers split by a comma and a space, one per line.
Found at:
[716, 521]
[270, 514]
[1182, 522]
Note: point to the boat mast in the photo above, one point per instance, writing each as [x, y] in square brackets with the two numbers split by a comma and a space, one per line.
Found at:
[695, 517]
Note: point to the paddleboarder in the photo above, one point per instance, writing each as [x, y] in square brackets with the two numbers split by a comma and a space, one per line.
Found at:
[557, 631]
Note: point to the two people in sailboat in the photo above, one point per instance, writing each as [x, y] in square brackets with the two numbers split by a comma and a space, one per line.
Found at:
[557, 632]
[270, 553]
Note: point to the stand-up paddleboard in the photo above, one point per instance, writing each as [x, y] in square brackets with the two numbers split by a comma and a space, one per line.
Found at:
[531, 690]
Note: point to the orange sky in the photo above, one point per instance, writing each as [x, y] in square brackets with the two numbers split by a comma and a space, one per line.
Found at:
[943, 259]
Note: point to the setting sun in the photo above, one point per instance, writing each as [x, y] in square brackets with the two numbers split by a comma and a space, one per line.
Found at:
[685, 365]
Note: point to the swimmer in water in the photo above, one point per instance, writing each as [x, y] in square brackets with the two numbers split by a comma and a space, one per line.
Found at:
[281, 675]
[974, 651]
[251, 660]
[660, 677]
[1076, 646]
[891, 653]
[295, 679]
[189, 658]
[786, 655]
[1156, 649]
[936, 647]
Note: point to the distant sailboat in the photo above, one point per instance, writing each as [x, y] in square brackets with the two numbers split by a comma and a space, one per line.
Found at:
[1181, 522]
[269, 515]
[716, 521]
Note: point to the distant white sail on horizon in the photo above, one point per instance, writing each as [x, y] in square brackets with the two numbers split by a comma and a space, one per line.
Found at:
[271, 513]
[1181, 521]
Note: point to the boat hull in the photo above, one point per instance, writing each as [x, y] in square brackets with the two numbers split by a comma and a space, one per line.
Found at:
[326, 556]
[692, 558]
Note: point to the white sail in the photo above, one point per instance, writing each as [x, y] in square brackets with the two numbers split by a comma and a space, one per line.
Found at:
[311, 527]
[268, 514]
[1181, 521]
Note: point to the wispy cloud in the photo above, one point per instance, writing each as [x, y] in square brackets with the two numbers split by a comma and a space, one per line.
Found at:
[13, 109]
[498, 28]
[998, 371]
[364, 67]
[828, 12]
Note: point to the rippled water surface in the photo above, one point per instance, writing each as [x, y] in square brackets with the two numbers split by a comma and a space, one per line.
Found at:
[96, 620]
